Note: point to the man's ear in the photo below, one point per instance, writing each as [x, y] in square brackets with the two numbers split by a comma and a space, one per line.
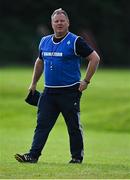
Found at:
[51, 24]
[68, 22]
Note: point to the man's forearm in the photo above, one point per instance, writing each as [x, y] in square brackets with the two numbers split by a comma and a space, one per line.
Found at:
[92, 66]
[38, 69]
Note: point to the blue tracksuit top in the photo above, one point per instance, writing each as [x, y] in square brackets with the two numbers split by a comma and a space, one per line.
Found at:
[61, 63]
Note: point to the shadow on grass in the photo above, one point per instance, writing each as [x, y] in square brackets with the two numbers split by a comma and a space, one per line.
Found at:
[100, 166]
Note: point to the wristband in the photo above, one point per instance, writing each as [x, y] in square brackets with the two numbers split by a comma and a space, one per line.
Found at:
[86, 81]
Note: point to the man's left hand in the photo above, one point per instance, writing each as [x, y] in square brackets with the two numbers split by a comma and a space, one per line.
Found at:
[83, 85]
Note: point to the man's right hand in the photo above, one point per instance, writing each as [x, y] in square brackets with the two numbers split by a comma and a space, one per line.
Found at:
[32, 88]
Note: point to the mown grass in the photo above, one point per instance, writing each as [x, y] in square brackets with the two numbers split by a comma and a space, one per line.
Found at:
[108, 101]
[105, 117]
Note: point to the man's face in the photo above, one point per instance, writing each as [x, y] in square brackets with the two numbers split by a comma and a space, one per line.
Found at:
[60, 24]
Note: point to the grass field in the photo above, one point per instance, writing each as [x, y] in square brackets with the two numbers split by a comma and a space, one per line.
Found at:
[105, 115]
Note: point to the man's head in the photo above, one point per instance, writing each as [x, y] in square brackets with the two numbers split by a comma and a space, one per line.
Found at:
[60, 22]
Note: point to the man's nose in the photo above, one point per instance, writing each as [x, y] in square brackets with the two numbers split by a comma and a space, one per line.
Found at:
[59, 22]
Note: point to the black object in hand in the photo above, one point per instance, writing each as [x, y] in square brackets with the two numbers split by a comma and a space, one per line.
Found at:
[33, 98]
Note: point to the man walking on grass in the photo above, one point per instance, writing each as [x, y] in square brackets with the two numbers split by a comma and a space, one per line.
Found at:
[59, 59]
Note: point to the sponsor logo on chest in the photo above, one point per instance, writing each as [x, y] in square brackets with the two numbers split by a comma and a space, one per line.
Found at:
[56, 54]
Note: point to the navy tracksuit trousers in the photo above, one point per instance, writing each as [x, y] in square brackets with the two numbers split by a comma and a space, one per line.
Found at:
[51, 104]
